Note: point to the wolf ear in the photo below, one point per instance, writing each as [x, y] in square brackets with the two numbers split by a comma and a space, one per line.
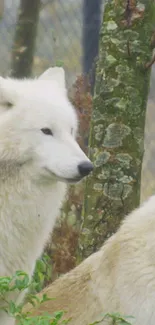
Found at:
[55, 74]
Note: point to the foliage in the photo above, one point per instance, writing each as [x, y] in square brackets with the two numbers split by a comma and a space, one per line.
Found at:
[82, 100]
[116, 319]
[42, 274]
[20, 281]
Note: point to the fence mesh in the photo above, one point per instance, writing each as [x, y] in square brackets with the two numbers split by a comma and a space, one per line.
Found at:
[59, 36]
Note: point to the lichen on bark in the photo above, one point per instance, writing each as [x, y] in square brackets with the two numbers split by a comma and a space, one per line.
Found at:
[117, 126]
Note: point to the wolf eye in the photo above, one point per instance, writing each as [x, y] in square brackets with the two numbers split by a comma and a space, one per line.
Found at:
[47, 131]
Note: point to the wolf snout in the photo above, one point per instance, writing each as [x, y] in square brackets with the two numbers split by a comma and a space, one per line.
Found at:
[85, 168]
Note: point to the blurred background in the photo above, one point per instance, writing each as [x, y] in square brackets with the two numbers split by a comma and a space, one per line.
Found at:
[59, 33]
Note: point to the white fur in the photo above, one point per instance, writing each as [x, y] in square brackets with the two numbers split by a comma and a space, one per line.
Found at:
[119, 278]
[34, 167]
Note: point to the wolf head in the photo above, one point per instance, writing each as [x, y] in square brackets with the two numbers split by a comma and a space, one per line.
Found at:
[38, 127]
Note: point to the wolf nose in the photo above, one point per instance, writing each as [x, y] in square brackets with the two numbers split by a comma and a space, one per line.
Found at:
[85, 168]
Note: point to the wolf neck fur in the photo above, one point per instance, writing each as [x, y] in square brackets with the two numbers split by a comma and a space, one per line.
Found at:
[27, 215]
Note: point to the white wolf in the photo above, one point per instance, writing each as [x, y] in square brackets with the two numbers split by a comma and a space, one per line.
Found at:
[38, 156]
[119, 278]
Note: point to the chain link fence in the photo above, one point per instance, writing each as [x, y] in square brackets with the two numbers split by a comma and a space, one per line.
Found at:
[59, 39]
[59, 36]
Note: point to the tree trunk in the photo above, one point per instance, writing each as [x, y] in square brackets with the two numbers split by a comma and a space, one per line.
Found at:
[1, 8]
[25, 36]
[118, 119]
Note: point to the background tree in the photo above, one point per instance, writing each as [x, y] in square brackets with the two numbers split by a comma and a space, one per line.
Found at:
[91, 28]
[1, 8]
[25, 36]
[118, 119]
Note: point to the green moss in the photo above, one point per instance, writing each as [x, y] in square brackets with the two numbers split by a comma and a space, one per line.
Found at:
[120, 131]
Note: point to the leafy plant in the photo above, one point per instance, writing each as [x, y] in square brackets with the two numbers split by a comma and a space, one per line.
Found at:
[42, 274]
[20, 281]
[116, 319]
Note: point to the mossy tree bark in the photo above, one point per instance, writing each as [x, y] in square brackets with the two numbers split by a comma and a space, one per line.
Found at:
[25, 36]
[118, 120]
